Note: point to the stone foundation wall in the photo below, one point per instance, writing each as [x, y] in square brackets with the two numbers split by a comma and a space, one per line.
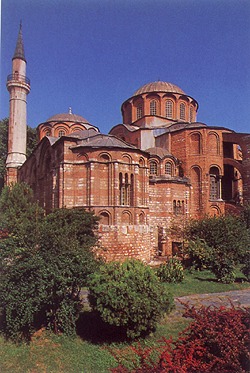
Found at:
[124, 242]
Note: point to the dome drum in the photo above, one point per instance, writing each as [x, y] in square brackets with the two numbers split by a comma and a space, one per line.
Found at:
[161, 99]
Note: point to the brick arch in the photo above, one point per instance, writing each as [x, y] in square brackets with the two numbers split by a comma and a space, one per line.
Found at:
[105, 217]
[195, 139]
[61, 127]
[214, 210]
[83, 156]
[127, 158]
[105, 157]
[127, 217]
[196, 178]
[213, 143]
[142, 218]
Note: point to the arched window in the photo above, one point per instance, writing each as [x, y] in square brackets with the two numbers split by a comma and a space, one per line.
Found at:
[139, 111]
[169, 109]
[122, 190]
[214, 184]
[153, 107]
[153, 168]
[191, 114]
[61, 133]
[182, 111]
[47, 132]
[168, 168]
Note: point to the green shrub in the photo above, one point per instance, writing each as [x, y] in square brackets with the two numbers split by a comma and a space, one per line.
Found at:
[246, 266]
[226, 240]
[129, 295]
[171, 271]
[224, 270]
[199, 254]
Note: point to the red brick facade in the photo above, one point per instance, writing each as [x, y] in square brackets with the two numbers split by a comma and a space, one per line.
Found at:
[147, 177]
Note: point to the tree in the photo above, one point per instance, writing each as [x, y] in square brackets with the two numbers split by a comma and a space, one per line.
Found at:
[44, 262]
[130, 296]
[20, 215]
[227, 240]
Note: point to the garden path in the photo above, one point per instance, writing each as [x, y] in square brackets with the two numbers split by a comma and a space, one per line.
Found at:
[237, 298]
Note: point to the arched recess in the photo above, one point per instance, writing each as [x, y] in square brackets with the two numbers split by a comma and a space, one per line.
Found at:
[142, 218]
[213, 144]
[214, 183]
[105, 218]
[83, 157]
[214, 211]
[105, 157]
[126, 217]
[195, 143]
[127, 158]
[196, 185]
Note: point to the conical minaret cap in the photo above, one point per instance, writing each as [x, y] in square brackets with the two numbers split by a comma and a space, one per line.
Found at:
[19, 51]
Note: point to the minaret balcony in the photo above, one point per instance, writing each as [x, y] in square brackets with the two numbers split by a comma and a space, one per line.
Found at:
[18, 78]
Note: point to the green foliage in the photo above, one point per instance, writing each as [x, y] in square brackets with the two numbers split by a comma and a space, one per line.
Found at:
[44, 262]
[19, 214]
[246, 266]
[129, 295]
[220, 242]
[199, 253]
[171, 271]
[32, 140]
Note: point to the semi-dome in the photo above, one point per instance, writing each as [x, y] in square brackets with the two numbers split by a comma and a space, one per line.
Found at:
[67, 117]
[159, 86]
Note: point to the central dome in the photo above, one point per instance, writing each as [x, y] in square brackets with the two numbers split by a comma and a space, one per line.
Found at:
[159, 86]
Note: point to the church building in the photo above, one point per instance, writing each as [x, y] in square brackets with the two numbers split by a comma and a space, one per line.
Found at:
[146, 179]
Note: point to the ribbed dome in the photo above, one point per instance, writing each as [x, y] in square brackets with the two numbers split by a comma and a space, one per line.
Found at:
[67, 117]
[159, 87]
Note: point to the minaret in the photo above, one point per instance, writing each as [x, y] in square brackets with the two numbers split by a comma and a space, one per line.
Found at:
[18, 86]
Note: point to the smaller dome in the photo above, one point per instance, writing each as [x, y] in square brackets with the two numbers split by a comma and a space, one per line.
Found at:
[67, 117]
[159, 86]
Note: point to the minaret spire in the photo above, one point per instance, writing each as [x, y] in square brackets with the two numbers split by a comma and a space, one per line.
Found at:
[19, 51]
[18, 86]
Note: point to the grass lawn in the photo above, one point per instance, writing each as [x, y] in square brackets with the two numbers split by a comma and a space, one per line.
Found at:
[58, 354]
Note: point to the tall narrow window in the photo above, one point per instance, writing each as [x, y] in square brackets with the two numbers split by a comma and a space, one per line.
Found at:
[122, 190]
[214, 184]
[153, 107]
[168, 168]
[191, 114]
[169, 109]
[182, 111]
[139, 111]
[153, 168]
[132, 190]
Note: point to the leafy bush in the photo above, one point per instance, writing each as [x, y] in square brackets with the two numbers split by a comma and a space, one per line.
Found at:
[216, 341]
[171, 271]
[199, 254]
[43, 265]
[219, 242]
[129, 295]
[246, 266]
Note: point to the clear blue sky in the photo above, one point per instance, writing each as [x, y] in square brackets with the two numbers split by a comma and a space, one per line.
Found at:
[93, 54]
